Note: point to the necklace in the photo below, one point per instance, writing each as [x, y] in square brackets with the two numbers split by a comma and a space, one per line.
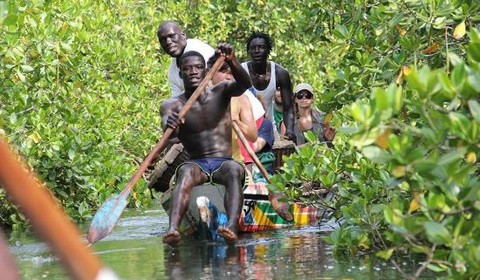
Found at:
[260, 77]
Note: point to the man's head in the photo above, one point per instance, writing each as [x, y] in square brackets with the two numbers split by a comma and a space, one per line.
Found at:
[304, 95]
[259, 46]
[192, 69]
[223, 74]
[171, 38]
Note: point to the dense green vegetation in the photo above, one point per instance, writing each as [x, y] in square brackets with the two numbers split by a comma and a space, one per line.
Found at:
[404, 169]
[82, 82]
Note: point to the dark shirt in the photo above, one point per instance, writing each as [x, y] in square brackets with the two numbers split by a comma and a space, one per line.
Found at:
[266, 155]
[266, 132]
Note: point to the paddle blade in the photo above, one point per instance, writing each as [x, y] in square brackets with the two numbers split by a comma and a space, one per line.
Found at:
[106, 217]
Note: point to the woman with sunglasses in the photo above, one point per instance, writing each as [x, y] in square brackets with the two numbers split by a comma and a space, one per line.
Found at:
[310, 118]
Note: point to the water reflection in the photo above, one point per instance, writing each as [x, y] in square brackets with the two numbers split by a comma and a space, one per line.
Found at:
[135, 251]
[282, 254]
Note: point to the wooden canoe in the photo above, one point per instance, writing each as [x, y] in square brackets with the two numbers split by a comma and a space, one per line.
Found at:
[206, 211]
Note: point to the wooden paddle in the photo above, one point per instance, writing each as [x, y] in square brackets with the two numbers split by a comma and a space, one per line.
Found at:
[7, 263]
[47, 218]
[280, 207]
[109, 213]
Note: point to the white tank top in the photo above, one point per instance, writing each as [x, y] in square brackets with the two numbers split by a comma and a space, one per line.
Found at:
[257, 107]
[268, 93]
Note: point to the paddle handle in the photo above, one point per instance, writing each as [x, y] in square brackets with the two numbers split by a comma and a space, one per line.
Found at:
[161, 144]
[252, 154]
[51, 223]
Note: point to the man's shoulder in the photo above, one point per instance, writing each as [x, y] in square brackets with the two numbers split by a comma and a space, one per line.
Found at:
[174, 100]
[242, 99]
[279, 69]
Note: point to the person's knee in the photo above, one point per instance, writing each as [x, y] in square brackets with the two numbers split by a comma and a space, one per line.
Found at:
[234, 168]
[187, 172]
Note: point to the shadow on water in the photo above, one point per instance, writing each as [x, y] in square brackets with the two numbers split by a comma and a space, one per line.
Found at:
[134, 250]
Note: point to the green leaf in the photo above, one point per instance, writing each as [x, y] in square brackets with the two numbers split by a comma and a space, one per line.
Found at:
[452, 156]
[392, 217]
[458, 76]
[459, 122]
[437, 267]
[310, 170]
[474, 51]
[417, 80]
[436, 201]
[20, 76]
[10, 19]
[355, 110]
[376, 154]
[433, 85]
[27, 68]
[424, 165]
[380, 99]
[447, 86]
[310, 136]
[474, 107]
[71, 154]
[473, 80]
[385, 254]
[455, 59]
[396, 98]
[13, 118]
[436, 233]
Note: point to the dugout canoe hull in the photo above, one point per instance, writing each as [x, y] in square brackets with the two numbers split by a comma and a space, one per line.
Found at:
[206, 212]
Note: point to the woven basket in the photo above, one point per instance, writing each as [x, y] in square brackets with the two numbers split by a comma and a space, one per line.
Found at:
[282, 148]
[159, 179]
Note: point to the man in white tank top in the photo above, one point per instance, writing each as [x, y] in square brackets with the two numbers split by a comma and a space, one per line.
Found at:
[266, 77]
[174, 42]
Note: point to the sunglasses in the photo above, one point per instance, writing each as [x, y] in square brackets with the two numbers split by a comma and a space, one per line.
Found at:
[304, 94]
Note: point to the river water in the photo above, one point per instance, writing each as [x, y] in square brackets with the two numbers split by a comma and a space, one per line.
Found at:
[134, 250]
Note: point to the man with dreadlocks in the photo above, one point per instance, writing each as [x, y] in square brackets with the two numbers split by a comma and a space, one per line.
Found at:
[266, 77]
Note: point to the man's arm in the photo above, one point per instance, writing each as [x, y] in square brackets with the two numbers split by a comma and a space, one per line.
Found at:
[169, 112]
[259, 144]
[244, 113]
[242, 79]
[265, 136]
[286, 91]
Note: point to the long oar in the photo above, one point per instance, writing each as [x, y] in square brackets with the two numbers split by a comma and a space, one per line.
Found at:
[8, 267]
[47, 218]
[109, 213]
[280, 207]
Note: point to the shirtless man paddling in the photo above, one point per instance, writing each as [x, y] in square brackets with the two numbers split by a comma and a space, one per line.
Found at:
[206, 134]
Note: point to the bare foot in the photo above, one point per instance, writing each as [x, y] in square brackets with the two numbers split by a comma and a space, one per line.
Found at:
[171, 238]
[282, 208]
[229, 236]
